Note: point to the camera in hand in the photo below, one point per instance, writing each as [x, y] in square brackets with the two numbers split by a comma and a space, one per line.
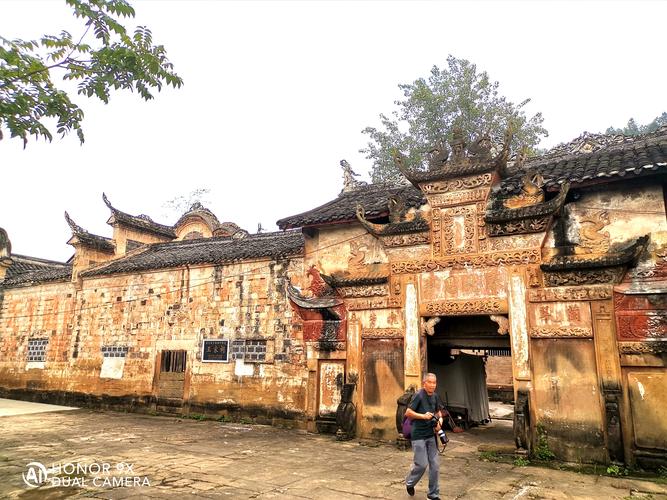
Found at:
[441, 434]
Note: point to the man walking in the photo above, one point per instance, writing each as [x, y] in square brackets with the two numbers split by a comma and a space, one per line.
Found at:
[421, 411]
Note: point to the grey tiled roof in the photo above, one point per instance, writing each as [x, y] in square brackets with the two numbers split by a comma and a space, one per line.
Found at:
[26, 270]
[372, 197]
[590, 159]
[205, 251]
[141, 222]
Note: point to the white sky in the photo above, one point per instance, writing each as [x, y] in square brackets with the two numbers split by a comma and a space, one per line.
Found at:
[277, 93]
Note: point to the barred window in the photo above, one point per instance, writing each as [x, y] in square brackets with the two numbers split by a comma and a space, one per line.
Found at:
[37, 349]
[114, 351]
[249, 350]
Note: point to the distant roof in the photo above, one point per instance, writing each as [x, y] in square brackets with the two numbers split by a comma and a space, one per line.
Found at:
[217, 250]
[372, 197]
[142, 222]
[26, 270]
[595, 158]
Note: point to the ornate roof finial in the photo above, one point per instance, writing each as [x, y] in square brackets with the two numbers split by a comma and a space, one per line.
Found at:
[76, 229]
[349, 181]
[107, 202]
[458, 144]
[437, 156]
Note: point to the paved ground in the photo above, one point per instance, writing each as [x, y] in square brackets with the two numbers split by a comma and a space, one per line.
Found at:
[120, 454]
[15, 407]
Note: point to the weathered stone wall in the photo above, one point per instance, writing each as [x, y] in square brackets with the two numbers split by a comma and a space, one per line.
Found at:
[150, 312]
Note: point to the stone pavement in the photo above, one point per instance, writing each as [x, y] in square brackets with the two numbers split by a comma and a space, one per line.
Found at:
[123, 455]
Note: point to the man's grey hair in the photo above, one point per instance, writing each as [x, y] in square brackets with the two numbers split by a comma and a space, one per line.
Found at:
[428, 376]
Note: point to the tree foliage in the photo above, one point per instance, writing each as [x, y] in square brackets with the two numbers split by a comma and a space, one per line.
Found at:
[633, 129]
[105, 57]
[455, 95]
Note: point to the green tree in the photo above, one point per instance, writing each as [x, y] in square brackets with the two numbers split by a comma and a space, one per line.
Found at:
[456, 95]
[633, 129]
[105, 57]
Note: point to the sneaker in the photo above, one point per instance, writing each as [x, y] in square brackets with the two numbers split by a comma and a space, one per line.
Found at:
[411, 490]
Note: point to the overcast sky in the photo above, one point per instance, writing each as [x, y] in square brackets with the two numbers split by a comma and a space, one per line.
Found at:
[277, 93]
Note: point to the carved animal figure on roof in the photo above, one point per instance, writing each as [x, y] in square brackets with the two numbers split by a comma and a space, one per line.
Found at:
[397, 208]
[591, 237]
[318, 287]
[437, 156]
[481, 149]
[458, 145]
[349, 181]
[531, 192]
[5, 244]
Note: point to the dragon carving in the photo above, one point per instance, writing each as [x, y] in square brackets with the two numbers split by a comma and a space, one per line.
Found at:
[592, 240]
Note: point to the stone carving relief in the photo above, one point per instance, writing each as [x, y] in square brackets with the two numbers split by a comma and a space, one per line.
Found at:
[592, 240]
[516, 257]
[562, 332]
[457, 198]
[428, 326]
[400, 240]
[464, 307]
[355, 263]
[533, 276]
[363, 291]
[326, 346]
[457, 184]
[642, 326]
[349, 181]
[503, 323]
[518, 226]
[379, 303]
[382, 333]
[590, 277]
[458, 230]
[513, 242]
[531, 192]
[642, 347]
[567, 294]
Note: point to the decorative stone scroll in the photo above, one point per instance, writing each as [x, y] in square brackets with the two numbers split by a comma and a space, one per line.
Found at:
[651, 347]
[568, 294]
[517, 257]
[464, 307]
[364, 291]
[583, 277]
[457, 184]
[642, 326]
[381, 333]
[379, 303]
[327, 346]
[457, 198]
[562, 332]
[518, 226]
[402, 240]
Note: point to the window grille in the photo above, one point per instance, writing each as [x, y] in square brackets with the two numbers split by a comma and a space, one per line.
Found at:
[249, 350]
[173, 361]
[115, 351]
[37, 349]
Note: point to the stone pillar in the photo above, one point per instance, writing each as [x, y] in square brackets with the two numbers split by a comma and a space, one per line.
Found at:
[518, 327]
[609, 373]
[353, 361]
[411, 344]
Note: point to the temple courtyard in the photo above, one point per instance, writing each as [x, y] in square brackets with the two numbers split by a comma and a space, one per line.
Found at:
[49, 452]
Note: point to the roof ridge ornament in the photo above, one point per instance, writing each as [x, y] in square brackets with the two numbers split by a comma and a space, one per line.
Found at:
[349, 181]
[76, 229]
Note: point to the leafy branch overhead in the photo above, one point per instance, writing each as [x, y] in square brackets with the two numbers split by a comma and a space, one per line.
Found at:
[103, 58]
[453, 96]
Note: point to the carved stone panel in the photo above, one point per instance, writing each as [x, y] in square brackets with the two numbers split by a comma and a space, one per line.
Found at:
[457, 198]
[569, 293]
[462, 284]
[479, 260]
[458, 230]
[364, 291]
[464, 307]
[590, 277]
[457, 184]
[642, 326]
[560, 319]
[381, 333]
[401, 240]
[358, 304]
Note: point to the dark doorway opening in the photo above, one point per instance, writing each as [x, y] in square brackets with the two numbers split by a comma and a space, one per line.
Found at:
[471, 356]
